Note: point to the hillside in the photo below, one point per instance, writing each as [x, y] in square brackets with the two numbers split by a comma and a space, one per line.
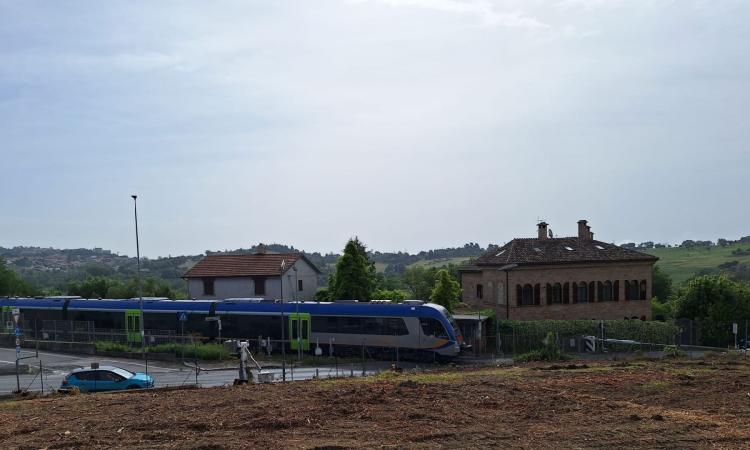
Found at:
[682, 263]
[53, 269]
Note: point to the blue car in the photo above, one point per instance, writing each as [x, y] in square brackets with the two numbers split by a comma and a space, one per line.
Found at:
[106, 378]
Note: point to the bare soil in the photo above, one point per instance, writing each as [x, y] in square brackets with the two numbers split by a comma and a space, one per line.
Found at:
[643, 404]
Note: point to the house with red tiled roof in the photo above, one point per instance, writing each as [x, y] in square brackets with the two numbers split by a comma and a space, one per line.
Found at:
[562, 278]
[287, 276]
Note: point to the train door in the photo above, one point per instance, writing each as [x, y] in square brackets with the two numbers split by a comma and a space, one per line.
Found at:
[133, 325]
[299, 331]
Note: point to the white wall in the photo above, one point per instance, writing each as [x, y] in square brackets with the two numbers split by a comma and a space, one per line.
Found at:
[245, 287]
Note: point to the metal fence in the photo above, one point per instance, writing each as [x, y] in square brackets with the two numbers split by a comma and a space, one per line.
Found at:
[721, 334]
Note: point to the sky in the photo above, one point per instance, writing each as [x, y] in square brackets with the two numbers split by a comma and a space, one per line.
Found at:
[412, 124]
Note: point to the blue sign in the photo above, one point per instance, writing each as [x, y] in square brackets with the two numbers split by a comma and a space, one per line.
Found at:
[18, 332]
[182, 316]
[18, 350]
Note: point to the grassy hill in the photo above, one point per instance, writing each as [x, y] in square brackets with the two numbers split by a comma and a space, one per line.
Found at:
[682, 263]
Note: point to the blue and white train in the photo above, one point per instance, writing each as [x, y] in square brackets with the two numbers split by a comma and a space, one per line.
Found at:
[417, 329]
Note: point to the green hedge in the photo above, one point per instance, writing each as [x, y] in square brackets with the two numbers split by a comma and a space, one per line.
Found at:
[639, 330]
[201, 351]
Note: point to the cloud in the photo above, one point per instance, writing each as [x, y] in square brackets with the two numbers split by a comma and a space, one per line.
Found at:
[482, 9]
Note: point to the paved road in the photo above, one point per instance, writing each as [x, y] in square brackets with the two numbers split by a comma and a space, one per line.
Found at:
[57, 365]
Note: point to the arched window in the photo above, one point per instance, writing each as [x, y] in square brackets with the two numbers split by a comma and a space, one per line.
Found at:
[557, 293]
[583, 292]
[537, 294]
[527, 296]
[643, 289]
[575, 292]
[616, 291]
[592, 292]
[634, 293]
[607, 291]
[627, 290]
[566, 293]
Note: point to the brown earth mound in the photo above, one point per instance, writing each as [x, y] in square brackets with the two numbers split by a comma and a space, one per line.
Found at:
[678, 404]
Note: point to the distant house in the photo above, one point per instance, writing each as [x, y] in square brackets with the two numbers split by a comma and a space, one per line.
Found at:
[561, 278]
[258, 275]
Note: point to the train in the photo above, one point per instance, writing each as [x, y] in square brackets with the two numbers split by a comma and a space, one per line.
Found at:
[415, 329]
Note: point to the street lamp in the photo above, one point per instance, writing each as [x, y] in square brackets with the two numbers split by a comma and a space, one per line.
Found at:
[299, 322]
[138, 278]
[507, 268]
[283, 348]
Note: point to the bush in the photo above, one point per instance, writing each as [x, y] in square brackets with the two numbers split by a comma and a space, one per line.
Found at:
[205, 352]
[112, 347]
[672, 351]
[639, 330]
[549, 352]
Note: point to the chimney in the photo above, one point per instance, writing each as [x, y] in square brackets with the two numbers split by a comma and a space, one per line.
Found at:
[542, 229]
[584, 231]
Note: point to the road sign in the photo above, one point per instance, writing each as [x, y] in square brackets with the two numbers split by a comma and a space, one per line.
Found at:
[182, 316]
[18, 342]
[734, 328]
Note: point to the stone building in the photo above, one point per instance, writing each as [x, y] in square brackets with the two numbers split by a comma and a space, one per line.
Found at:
[561, 278]
[287, 276]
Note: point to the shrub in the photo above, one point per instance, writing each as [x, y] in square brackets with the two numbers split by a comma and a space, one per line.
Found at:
[672, 351]
[643, 331]
[549, 352]
[204, 352]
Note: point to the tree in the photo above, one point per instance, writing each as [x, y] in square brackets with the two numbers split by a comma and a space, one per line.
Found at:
[354, 278]
[12, 284]
[661, 284]
[716, 301]
[446, 291]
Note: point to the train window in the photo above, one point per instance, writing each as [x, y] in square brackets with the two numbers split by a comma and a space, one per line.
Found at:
[433, 327]
[395, 326]
[360, 325]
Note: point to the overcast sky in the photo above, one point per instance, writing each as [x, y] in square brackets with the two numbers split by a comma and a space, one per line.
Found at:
[414, 124]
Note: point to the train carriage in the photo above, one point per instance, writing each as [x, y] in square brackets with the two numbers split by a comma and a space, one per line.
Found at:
[415, 328]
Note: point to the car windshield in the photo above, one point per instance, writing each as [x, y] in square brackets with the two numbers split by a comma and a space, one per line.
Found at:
[122, 372]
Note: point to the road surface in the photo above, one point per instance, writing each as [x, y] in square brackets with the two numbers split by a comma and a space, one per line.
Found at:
[57, 365]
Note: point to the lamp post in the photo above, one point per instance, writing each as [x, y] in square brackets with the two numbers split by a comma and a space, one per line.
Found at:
[299, 322]
[507, 268]
[138, 282]
[283, 349]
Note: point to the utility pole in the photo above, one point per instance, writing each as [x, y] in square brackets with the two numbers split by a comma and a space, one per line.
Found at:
[283, 349]
[138, 278]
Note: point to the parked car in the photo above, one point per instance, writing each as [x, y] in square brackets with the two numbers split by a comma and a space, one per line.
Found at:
[106, 378]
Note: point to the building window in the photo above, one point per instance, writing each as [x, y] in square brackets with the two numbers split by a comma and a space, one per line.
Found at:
[583, 292]
[299, 285]
[480, 291]
[616, 291]
[566, 293]
[208, 286]
[643, 289]
[606, 291]
[260, 286]
[537, 294]
[554, 294]
[592, 292]
[631, 290]
[527, 298]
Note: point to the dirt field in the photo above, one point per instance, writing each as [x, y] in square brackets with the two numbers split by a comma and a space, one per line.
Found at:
[679, 404]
